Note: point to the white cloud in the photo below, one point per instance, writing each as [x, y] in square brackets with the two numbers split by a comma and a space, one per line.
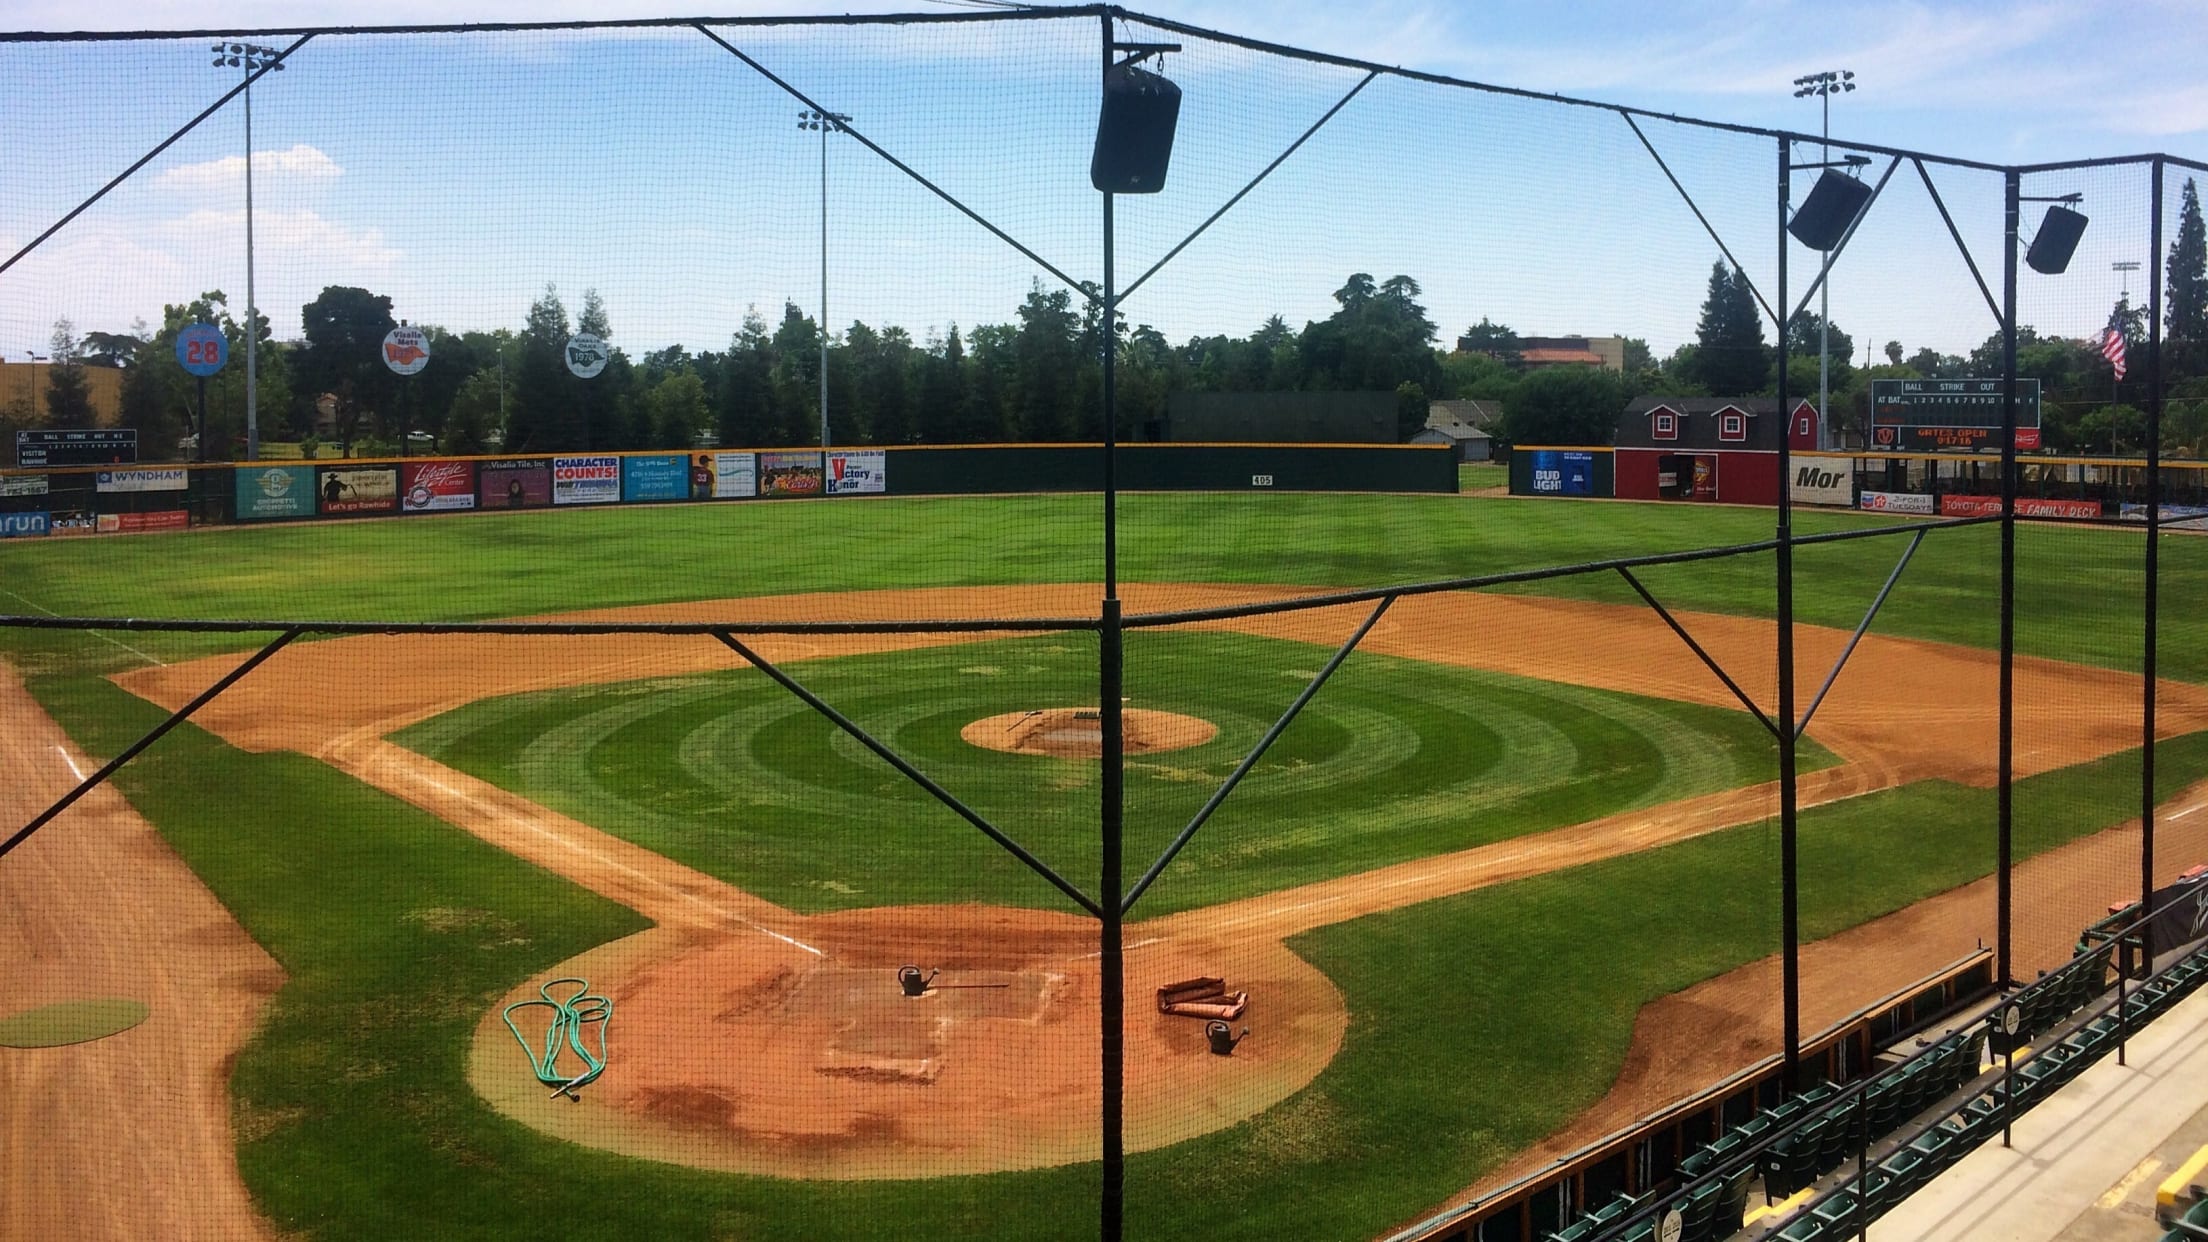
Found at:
[302, 163]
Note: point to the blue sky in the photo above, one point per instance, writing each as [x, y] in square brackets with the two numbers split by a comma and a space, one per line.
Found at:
[461, 173]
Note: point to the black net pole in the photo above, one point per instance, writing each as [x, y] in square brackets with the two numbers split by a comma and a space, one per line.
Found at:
[2154, 554]
[1111, 967]
[1790, 931]
[2004, 864]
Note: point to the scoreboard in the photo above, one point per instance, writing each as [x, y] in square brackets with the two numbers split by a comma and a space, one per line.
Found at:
[86, 446]
[1962, 415]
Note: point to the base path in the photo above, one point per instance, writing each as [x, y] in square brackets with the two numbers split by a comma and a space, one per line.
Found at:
[129, 1136]
[755, 1039]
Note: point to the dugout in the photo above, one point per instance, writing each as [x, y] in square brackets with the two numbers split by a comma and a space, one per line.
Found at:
[1723, 449]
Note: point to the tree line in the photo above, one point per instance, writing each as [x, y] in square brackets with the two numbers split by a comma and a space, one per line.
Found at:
[1037, 377]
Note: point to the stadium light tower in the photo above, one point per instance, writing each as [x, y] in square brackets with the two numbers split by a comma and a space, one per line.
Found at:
[1824, 85]
[249, 59]
[827, 123]
[35, 358]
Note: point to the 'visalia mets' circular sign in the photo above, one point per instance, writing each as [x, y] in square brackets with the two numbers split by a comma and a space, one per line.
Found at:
[405, 349]
[201, 349]
[587, 354]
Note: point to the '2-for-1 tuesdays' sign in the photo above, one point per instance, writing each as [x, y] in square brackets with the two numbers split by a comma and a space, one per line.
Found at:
[586, 480]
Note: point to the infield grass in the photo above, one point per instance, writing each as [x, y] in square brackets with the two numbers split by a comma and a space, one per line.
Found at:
[1393, 760]
[1482, 1022]
[2078, 594]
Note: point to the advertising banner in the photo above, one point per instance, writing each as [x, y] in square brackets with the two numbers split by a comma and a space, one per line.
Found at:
[175, 479]
[853, 472]
[1557, 472]
[359, 489]
[586, 480]
[275, 492]
[134, 523]
[1818, 483]
[429, 486]
[655, 476]
[2026, 506]
[23, 485]
[1896, 502]
[723, 476]
[2174, 517]
[789, 474]
[514, 482]
[24, 525]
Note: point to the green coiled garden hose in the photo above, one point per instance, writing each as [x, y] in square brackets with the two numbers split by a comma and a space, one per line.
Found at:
[571, 1016]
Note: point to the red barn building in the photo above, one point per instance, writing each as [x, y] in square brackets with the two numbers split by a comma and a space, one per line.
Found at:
[1707, 448]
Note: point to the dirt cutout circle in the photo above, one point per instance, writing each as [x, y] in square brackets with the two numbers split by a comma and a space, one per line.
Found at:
[1078, 732]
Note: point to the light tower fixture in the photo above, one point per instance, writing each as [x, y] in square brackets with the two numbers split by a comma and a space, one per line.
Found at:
[1824, 86]
[250, 59]
[825, 123]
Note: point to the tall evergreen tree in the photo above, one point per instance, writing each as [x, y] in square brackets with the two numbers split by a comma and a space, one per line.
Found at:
[2185, 315]
[1730, 357]
[68, 395]
[543, 416]
[743, 411]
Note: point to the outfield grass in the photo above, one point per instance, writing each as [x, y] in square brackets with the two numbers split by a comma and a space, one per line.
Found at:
[2080, 587]
[1472, 475]
[1395, 759]
[1483, 1021]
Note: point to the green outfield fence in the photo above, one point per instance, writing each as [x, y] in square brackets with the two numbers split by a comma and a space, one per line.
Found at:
[1264, 827]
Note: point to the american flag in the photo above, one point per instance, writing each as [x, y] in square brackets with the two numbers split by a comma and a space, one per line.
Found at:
[2112, 348]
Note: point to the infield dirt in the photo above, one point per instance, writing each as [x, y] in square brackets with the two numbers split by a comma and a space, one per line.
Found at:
[752, 1038]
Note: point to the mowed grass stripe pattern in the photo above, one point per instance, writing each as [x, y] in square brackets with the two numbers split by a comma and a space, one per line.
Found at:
[354, 1117]
[1393, 760]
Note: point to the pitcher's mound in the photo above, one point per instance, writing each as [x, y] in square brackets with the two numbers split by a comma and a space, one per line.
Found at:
[1078, 732]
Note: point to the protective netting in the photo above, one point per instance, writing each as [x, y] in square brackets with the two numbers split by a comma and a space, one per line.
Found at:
[692, 811]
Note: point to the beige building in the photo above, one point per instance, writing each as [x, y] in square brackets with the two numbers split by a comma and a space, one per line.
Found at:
[24, 383]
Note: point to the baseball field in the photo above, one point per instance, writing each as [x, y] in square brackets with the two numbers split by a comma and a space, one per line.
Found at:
[1511, 878]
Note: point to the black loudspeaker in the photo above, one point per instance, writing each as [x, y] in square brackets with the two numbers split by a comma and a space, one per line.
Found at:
[1134, 131]
[2058, 238]
[1833, 204]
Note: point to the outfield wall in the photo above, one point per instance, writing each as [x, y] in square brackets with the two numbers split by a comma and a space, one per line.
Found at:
[91, 500]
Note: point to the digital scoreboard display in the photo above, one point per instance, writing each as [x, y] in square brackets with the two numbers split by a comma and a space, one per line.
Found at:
[1958, 415]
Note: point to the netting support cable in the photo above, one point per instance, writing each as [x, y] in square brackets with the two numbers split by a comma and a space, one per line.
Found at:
[182, 714]
[1790, 929]
[1709, 661]
[1707, 227]
[1957, 234]
[2150, 647]
[1257, 752]
[1267, 171]
[1862, 628]
[898, 164]
[143, 160]
[1832, 256]
[2005, 751]
[911, 773]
